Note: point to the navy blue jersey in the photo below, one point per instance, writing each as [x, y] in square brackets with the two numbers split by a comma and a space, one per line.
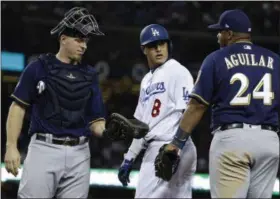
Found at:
[241, 83]
[32, 85]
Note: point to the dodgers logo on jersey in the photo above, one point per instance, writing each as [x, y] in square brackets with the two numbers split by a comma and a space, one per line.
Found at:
[153, 89]
[185, 94]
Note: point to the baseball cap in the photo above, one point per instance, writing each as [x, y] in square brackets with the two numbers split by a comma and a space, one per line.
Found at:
[235, 20]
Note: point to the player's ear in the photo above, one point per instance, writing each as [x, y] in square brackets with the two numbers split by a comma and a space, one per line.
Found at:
[62, 39]
[144, 50]
[230, 34]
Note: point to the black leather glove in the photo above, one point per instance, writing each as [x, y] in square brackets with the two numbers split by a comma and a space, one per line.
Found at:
[166, 162]
[119, 128]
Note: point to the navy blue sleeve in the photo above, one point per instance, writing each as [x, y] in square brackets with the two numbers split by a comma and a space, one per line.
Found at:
[204, 85]
[96, 111]
[25, 90]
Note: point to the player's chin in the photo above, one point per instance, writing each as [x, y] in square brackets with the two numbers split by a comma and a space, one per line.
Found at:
[160, 61]
[78, 58]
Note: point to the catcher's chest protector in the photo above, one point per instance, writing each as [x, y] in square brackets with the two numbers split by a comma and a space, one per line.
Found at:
[68, 90]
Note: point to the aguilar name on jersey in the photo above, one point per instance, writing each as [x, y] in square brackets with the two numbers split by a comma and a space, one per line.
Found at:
[243, 86]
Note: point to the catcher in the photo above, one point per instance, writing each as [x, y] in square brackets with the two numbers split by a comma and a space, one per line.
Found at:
[67, 107]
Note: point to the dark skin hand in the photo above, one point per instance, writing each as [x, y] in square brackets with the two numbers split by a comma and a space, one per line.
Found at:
[193, 114]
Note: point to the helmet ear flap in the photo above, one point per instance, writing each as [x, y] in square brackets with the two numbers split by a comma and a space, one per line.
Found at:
[170, 47]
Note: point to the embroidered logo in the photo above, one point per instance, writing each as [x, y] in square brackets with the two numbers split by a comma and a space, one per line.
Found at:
[41, 86]
[70, 76]
[155, 32]
[185, 94]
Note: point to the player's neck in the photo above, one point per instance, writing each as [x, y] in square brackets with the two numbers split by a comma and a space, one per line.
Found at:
[154, 66]
[61, 56]
[151, 65]
[241, 40]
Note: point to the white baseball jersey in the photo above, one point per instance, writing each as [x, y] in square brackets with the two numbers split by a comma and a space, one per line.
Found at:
[163, 96]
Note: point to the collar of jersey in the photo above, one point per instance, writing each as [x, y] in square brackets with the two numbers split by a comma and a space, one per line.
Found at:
[246, 42]
[57, 61]
[153, 70]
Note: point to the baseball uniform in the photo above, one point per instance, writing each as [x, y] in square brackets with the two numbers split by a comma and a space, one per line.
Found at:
[163, 97]
[64, 99]
[241, 83]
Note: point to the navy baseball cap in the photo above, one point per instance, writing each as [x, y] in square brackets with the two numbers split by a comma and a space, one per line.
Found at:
[235, 20]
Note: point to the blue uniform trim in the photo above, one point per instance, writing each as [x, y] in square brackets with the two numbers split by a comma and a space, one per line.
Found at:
[96, 120]
[199, 98]
[180, 138]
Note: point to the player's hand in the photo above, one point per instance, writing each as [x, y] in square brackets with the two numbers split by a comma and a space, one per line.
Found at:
[124, 172]
[12, 160]
[171, 147]
[167, 161]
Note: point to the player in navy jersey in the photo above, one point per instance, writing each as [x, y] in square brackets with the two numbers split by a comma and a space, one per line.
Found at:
[240, 82]
[67, 108]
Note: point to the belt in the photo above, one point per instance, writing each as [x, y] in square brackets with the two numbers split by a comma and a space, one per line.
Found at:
[67, 141]
[240, 125]
[150, 141]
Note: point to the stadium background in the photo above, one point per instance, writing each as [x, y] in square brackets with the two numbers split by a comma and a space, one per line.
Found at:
[117, 57]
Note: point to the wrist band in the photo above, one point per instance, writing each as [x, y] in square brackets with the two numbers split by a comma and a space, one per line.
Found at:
[180, 138]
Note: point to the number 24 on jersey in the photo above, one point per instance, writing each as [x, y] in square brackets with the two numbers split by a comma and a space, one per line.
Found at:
[266, 95]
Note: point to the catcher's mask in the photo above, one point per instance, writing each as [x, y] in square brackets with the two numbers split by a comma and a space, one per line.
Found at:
[77, 22]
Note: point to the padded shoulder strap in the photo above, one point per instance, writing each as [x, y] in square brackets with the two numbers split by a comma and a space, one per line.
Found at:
[46, 60]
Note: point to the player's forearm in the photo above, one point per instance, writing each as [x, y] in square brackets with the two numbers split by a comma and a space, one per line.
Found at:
[191, 118]
[98, 127]
[192, 115]
[134, 149]
[14, 124]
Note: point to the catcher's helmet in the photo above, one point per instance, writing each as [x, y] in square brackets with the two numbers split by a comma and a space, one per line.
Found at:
[77, 22]
[154, 32]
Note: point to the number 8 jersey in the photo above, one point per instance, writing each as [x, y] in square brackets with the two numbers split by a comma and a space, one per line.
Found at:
[163, 97]
[242, 84]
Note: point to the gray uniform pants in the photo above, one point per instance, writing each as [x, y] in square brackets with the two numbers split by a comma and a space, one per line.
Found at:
[243, 163]
[55, 170]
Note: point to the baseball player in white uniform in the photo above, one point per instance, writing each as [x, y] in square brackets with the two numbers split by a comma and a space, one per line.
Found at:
[163, 97]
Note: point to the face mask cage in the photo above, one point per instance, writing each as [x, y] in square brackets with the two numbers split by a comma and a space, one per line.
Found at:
[80, 20]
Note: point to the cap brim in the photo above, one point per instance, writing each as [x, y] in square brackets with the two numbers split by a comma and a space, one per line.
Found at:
[216, 27]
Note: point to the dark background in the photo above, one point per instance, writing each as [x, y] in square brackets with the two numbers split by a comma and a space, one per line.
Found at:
[26, 28]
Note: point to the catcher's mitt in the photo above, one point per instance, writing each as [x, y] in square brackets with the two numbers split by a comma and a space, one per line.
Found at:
[118, 128]
[166, 163]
